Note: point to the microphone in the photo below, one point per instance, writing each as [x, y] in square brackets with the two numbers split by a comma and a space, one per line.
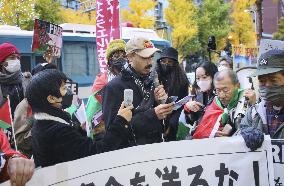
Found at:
[156, 81]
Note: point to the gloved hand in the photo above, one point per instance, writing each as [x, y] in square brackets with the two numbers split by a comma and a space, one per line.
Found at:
[253, 137]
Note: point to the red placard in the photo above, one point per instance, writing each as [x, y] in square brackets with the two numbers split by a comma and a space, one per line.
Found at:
[107, 28]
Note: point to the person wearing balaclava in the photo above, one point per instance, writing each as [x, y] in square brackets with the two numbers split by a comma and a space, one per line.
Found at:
[175, 82]
[12, 80]
[268, 115]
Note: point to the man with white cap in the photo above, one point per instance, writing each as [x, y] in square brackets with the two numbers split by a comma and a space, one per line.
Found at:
[147, 114]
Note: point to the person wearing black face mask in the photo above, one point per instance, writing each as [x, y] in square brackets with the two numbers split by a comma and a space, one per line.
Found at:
[268, 115]
[54, 140]
[116, 59]
[23, 118]
[175, 82]
[66, 99]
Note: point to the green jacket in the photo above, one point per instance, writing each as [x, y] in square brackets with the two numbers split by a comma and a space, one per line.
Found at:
[256, 117]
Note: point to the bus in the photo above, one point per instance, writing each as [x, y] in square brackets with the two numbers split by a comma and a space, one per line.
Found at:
[78, 59]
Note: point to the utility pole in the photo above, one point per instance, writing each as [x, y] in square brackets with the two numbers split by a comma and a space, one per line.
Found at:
[258, 4]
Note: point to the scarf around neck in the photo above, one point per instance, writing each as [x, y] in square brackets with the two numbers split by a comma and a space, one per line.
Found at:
[145, 87]
[10, 79]
[144, 83]
[232, 104]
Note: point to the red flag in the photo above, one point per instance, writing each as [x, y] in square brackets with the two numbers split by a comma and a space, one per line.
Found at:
[210, 122]
[5, 115]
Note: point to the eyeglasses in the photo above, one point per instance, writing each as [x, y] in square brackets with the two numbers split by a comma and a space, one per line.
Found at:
[218, 91]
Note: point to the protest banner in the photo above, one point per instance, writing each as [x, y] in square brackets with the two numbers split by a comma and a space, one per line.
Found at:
[278, 161]
[107, 28]
[47, 37]
[244, 56]
[269, 44]
[217, 161]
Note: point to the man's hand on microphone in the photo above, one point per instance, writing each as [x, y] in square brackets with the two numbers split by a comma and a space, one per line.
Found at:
[160, 94]
[163, 110]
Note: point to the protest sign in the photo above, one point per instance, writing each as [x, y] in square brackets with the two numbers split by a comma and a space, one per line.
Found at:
[47, 37]
[217, 161]
[107, 28]
[244, 56]
[278, 161]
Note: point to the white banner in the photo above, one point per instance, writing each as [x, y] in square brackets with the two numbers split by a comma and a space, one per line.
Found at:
[219, 161]
[278, 161]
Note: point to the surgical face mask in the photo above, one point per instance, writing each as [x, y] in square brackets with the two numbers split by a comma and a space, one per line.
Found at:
[272, 94]
[13, 65]
[67, 99]
[204, 85]
[222, 67]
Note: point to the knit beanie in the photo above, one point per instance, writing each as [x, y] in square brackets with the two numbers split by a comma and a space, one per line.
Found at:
[7, 49]
[113, 46]
[43, 66]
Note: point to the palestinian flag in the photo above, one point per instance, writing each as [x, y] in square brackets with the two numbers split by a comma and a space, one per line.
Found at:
[184, 129]
[5, 114]
[210, 122]
[94, 106]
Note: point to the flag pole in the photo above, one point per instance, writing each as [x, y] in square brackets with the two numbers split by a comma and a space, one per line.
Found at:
[12, 124]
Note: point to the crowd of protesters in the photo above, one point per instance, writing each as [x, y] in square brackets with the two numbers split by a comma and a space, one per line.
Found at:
[218, 107]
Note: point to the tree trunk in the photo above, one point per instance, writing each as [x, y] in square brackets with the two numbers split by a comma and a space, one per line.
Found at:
[258, 4]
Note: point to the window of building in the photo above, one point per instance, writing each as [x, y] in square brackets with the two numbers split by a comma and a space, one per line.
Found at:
[25, 63]
[80, 59]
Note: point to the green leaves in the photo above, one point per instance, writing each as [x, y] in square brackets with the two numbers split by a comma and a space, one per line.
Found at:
[16, 12]
[139, 13]
[23, 12]
[280, 33]
[192, 25]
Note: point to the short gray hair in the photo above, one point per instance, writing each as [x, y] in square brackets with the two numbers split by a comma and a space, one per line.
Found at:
[227, 73]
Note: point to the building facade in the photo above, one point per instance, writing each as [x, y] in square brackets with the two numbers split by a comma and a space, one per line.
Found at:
[272, 12]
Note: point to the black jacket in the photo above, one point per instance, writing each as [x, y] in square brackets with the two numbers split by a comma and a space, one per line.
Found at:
[16, 91]
[172, 121]
[16, 94]
[55, 141]
[147, 128]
